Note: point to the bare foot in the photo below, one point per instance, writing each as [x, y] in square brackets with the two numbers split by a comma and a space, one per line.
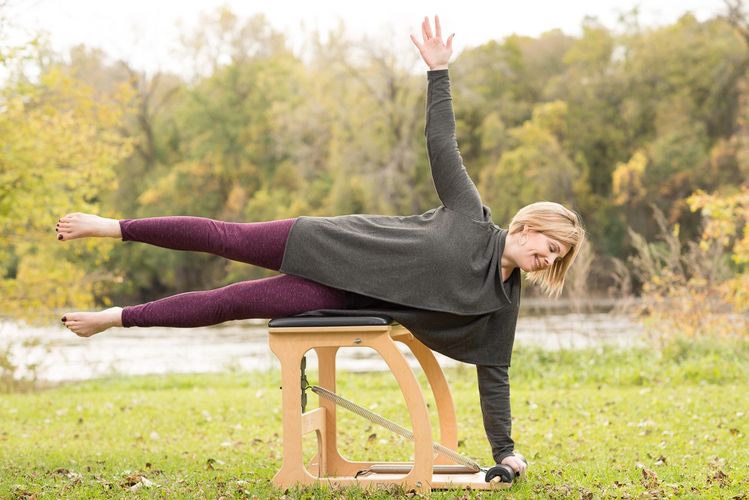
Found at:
[78, 225]
[86, 324]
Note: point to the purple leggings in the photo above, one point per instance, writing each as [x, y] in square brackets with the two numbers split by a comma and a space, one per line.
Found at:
[258, 243]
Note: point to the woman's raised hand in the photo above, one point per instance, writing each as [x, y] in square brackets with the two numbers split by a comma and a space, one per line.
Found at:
[434, 51]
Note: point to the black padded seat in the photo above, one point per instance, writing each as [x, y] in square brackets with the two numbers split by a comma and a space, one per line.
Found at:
[321, 321]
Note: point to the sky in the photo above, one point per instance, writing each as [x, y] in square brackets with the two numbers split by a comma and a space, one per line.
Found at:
[145, 33]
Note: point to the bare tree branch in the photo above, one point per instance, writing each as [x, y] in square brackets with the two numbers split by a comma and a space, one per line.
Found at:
[736, 16]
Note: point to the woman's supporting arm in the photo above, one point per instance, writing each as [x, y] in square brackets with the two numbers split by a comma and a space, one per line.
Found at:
[454, 186]
[494, 390]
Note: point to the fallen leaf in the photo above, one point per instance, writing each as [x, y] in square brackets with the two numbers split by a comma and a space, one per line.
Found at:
[210, 463]
[719, 477]
[649, 478]
[136, 481]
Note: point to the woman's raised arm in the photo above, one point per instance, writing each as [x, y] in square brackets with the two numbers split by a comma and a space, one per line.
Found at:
[454, 186]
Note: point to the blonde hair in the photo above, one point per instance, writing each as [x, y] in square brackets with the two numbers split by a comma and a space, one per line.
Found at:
[559, 223]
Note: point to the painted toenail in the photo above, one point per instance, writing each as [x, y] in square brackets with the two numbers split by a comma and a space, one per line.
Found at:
[64, 319]
[59, 236]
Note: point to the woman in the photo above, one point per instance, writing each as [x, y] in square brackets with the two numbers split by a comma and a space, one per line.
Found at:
[449, 275]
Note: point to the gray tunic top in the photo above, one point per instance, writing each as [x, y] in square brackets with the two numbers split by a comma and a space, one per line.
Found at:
[437, 274]
[440, 270]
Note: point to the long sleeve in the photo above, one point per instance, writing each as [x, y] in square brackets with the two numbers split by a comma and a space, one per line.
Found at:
[494, 390]
[454, 186]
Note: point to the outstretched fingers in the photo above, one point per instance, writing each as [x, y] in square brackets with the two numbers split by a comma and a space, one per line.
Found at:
[427, 28]
[437, 27]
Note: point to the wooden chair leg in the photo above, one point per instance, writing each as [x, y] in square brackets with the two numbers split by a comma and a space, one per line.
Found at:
[292, 470]
[442, 396]
[336, 464]
[420, 476]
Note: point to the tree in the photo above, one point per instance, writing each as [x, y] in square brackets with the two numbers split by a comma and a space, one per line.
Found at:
[60, 146]
[536, 167]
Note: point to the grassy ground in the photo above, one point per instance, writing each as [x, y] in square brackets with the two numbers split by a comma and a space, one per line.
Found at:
[599, 423]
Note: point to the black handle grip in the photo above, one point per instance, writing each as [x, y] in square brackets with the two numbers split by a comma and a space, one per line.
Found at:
[504, 472]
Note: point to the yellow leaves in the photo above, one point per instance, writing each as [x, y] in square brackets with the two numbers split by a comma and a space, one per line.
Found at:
[627, 186]
[685, 286]
[59, 144]
[724, 215]
[43, 285]
[736, 292]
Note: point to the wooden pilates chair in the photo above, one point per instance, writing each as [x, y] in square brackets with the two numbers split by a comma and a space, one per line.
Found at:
[291, 337]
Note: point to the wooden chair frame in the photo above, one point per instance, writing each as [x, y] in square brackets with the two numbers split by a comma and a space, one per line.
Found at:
[291, 343]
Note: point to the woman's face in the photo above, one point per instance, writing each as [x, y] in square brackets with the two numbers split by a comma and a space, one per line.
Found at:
[539, 251]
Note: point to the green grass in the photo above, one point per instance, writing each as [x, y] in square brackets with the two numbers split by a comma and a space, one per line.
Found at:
[598, 423]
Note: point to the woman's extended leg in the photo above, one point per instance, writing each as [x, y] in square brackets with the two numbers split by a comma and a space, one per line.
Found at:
[257, 243]
[276, 296]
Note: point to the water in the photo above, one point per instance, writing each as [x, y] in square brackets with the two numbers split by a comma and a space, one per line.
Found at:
[243, 345]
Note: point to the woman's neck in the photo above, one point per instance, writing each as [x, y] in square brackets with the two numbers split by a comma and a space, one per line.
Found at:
[507, 263]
